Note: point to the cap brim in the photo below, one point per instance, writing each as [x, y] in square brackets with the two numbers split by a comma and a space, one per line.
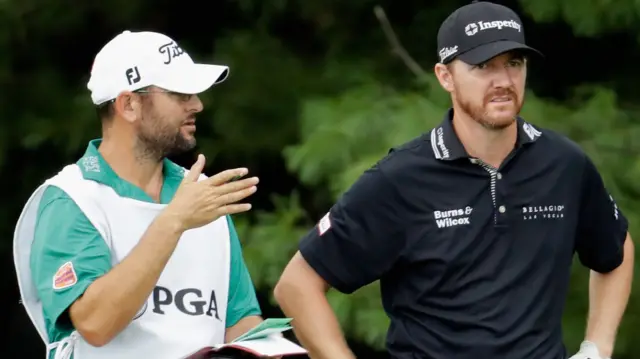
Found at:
[486, 52]
[195, 78]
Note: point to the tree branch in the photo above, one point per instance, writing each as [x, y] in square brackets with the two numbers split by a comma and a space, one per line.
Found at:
[396, 46]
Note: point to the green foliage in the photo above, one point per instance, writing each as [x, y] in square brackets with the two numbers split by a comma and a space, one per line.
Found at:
[366, 121]
[249, 105]
[264, 245]
[588, 18]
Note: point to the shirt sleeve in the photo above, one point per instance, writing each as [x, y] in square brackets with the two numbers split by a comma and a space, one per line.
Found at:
[602, 227]
[361, 237]
[67, 255]
[242, 295]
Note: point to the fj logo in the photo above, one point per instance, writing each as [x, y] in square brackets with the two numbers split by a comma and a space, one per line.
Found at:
[452, 218]
[133, 75]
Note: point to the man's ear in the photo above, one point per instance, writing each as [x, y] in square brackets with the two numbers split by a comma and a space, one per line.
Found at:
[444, 75]
[128, 106]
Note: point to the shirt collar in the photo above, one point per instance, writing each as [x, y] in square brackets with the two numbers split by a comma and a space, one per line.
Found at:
[94, 167]
[447, 146]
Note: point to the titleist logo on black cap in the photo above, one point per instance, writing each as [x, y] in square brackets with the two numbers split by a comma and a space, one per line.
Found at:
[447, 51]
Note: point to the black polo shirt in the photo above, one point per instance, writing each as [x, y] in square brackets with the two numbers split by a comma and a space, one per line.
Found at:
[473, 262]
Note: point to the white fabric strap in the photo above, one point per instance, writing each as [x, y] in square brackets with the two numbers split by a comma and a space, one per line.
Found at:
[64, 348]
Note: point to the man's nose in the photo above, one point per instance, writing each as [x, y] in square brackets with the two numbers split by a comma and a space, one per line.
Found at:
[195, 104]
[502, 77]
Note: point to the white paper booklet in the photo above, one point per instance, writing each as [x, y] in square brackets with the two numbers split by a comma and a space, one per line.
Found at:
[263, 341]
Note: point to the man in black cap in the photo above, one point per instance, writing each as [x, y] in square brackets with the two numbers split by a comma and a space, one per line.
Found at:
[471, 228]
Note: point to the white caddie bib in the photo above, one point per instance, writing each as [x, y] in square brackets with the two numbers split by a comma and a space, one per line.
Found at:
[186, 310]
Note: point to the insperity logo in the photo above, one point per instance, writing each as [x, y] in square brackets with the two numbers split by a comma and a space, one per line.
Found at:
[474, 27]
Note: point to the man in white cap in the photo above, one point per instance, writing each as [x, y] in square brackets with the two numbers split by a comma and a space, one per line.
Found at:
[125, 254]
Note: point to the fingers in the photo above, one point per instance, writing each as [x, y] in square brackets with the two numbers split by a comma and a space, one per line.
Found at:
[196, 170]
[235, 196]
[234, 208]
[236, 186]
[226, 176]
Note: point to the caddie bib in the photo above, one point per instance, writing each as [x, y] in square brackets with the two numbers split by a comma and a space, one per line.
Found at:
[187, 308]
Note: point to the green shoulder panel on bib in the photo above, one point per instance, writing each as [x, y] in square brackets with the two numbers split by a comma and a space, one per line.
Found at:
[242, 294]
[67, 255]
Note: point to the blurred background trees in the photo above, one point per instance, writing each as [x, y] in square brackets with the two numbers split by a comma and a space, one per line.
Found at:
[315, 96]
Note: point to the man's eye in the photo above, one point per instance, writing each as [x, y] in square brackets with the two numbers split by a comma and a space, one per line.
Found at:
[182, 96]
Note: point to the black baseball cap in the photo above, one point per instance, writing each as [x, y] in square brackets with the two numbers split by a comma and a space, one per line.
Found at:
[477, 32]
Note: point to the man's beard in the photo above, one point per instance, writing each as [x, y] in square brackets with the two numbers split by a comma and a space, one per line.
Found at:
[482, 116]
[159, 138]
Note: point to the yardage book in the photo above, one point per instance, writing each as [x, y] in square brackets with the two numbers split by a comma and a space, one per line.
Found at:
[262, 341]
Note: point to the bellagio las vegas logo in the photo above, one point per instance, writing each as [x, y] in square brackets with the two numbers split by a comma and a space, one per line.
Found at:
[542, 212]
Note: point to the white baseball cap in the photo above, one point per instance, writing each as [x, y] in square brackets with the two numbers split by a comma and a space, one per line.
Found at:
[134, 60]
